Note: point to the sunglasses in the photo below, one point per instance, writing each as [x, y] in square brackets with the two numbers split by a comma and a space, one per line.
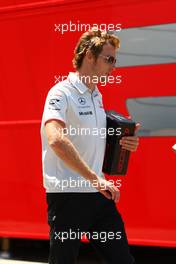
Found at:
[109, 59]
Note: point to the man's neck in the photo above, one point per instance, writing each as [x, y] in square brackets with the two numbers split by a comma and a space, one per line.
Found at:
[86, 78]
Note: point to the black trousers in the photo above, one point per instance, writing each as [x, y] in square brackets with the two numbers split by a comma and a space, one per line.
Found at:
[72, 214]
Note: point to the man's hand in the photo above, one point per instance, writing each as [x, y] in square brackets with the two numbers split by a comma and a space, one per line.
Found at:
[174, 148]
[107, 188]
[130, 142]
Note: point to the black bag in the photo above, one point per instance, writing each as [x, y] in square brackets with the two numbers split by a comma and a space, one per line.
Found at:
[116, 159]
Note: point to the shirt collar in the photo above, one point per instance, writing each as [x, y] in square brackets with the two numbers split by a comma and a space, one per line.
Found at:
[76, 82]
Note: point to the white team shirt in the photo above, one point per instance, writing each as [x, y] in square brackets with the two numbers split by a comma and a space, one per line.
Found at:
[83, 114]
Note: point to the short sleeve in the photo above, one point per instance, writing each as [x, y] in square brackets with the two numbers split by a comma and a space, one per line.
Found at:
[55, 106]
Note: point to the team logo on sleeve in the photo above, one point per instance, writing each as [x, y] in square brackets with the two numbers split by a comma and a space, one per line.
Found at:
[54, 104]
[53, 101]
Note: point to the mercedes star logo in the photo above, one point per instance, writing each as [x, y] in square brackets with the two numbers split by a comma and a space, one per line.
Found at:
[82, 100]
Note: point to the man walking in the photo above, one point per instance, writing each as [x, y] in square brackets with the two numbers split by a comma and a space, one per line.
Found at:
[80, 200]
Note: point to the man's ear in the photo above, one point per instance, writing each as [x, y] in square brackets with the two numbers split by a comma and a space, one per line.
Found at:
[89, 56]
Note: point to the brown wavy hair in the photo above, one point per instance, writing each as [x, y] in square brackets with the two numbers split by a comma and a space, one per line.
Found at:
[94, 40]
